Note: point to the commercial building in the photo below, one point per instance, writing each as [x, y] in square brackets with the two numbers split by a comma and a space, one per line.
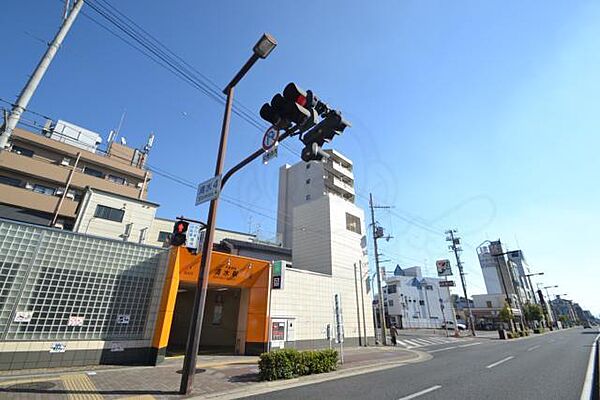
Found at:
[45, 176]
[414, 301]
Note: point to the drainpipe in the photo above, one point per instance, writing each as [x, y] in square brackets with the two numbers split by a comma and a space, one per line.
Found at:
[62, 198]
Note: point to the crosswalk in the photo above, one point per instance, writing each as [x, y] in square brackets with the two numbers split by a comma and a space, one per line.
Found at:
[416, 342]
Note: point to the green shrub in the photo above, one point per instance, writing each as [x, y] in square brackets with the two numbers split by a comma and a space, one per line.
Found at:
[289, 363]
[510, 335]
[539, 330]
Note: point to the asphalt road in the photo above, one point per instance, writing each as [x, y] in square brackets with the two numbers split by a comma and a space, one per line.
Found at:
[550, 366]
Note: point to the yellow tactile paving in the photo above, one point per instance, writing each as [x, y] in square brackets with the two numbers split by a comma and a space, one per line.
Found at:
[82, 386]
[139, 397]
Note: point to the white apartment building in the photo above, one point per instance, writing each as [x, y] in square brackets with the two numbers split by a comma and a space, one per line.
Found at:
[319, 221]
[414, 301]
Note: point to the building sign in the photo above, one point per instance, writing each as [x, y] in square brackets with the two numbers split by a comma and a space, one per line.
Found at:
[123, 319]
[278, 274]
[208, 190]
[443, 267]
[339, 320]
[116, 346]
[75, 321]
[58, 348]
[447, 283]
[23, 316]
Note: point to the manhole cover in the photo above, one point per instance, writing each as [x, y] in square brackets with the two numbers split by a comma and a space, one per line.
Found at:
[32, 386]
[198, 371]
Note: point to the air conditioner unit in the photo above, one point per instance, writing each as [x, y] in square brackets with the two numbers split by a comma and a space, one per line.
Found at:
[139, 185]
[70, 196]
[28, 186]
[66, 161]
[59, 191]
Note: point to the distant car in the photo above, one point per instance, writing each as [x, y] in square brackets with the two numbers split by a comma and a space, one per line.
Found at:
[587, 325]
[450, 325]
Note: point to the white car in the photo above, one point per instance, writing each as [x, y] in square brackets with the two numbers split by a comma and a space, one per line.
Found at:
[450, 325]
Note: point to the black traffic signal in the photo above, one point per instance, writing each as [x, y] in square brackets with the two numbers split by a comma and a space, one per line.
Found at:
[332, 124]
[179, 233]
[291, 107]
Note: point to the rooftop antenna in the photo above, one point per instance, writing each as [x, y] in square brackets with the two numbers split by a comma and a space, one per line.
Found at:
[66, 10]
[149, 143]
[120, 124]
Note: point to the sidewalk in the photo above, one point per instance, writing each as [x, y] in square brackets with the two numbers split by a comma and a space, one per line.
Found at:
[217, 377]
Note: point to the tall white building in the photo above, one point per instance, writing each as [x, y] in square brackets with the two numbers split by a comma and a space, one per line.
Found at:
[318, 220]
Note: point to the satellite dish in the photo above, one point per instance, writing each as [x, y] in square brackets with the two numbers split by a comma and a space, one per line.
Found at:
[123, 141]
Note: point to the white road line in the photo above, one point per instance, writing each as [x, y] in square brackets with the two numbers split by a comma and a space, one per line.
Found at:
[470, 344]
[401, 342]
[534, 347]
[500, 362]
[588, 383]
[411, 343]
[438, 340]
[445, 348]
[424, 342]
[421, 393]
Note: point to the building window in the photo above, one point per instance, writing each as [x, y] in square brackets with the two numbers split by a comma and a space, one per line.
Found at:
[116, 179]
[93, 172]
[488, 304]
[7, 180]
[163, 236]
[308, 181]
[421, 302]
[22, 151]
[353, 223]
[391, 303]
[308, 197]
[109, 213]
[43, 189]
[391, 289]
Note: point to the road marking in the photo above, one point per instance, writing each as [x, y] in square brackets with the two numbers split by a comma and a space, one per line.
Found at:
[401, 342]
[588, 383]
[422, 392]
[470, 344]
[445, 348]
[500, 362]
[534, 347]
[411, 343]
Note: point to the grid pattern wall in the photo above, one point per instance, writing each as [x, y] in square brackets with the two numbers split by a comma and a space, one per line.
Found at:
[56, 285]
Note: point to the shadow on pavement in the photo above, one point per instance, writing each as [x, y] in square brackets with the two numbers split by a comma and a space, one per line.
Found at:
[250, 377]
[21, 389]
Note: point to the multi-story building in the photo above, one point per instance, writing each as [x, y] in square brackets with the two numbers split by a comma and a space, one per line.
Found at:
[414, 301]
[318, 220]
[563, 309]
[44, 176]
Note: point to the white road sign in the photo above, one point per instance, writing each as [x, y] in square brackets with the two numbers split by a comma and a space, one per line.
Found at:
[208, 190]
[270, 138]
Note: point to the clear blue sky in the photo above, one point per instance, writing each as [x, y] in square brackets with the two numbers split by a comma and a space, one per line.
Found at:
[481, 116]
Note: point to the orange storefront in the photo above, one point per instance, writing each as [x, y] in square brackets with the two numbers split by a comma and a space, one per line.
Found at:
[236, 314]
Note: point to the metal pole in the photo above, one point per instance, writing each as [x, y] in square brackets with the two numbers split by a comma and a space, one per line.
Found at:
[357, 308]
[531, 287]
[33, 82]
[381, 306]
[362, 300]
[442, 309]
[193, 342]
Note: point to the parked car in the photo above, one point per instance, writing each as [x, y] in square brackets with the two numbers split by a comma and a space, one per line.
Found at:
[450, 325]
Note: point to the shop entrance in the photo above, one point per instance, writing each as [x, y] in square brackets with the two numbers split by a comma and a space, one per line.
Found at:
[219, 325]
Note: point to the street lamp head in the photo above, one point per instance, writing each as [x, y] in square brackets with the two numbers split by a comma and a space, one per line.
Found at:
[265, 45]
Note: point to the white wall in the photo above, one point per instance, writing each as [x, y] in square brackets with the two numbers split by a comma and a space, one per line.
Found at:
[137, 212]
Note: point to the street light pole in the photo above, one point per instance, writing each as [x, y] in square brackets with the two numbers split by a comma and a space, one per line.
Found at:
[264, 46]
[528, 276]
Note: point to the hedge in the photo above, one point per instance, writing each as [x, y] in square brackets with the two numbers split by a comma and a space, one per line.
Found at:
[291, 363]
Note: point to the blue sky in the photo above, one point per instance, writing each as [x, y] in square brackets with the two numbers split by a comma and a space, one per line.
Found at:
[480, 116]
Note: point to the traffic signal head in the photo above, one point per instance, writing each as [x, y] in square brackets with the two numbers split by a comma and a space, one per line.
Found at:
[332, 124]
[287, 108]
[179, 233]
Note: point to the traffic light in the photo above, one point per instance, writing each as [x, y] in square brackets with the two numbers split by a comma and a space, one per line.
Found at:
[332, 124]
[291, 107]
[179, 233]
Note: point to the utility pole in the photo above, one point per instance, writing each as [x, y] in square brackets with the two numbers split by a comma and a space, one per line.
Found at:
[360, 342]
[455, 247]
[362, 300]
[23, 101]
[377, 234]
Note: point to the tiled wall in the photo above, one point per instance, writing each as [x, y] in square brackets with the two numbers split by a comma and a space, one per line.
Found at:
[76, 293]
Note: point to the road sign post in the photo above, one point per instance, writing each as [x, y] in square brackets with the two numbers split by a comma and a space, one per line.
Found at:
[208, 190]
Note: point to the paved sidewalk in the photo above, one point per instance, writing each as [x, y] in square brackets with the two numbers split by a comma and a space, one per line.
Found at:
[217, 376]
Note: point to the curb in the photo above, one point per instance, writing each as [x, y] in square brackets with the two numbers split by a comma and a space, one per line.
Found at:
[266, 387]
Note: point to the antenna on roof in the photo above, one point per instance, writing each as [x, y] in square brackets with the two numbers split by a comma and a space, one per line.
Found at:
[123, 141]
[111, 136]
[149, 143]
